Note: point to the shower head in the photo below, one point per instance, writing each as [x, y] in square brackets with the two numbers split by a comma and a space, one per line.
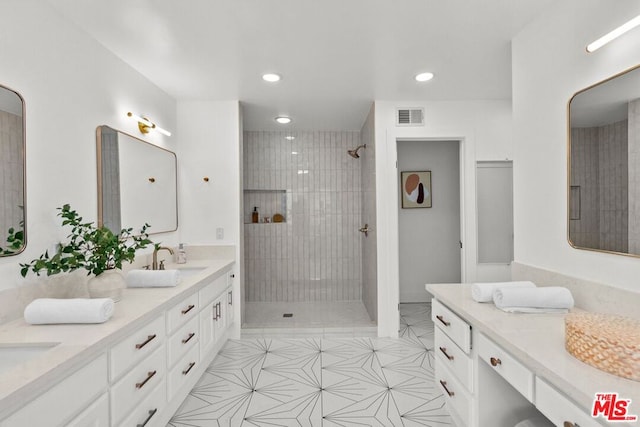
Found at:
[354, 153]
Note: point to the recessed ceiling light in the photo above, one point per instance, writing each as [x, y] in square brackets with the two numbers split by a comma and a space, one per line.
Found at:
[290, 138]
[424, 77]
[283, 120]
[271, 77]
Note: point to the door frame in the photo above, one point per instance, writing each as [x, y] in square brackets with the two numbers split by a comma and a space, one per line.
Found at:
[460, 194]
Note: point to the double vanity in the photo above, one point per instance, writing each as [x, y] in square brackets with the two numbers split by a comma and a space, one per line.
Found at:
[497, 369]
[133, 370]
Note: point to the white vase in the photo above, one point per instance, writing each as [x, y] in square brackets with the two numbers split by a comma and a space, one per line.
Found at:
[109, 284]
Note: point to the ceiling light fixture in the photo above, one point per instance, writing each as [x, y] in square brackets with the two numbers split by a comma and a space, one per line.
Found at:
[144, 124]
[423, 77]
[289, 138]
[283, 120]
[271, 77]
[628, 26]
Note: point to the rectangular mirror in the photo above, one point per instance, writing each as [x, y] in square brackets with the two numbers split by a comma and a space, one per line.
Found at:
[12, 173]
[603, 191]
[137, 183]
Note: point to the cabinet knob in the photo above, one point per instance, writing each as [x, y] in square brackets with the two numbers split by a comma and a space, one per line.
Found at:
[570, 424]
[495, 361]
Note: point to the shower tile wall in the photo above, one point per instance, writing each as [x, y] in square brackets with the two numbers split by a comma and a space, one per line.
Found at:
[11, 194]
[599, 167]
[315, 254]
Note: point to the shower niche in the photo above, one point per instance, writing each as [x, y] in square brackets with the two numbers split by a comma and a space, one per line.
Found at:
[270, 205]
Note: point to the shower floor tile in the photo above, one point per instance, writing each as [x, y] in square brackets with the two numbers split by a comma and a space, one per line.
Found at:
[383, 382]
[308, 320]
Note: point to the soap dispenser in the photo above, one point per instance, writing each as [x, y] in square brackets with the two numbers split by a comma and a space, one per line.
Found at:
[182, 254]
[255, 216]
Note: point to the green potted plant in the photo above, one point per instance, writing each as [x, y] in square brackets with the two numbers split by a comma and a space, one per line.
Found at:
[96, 249]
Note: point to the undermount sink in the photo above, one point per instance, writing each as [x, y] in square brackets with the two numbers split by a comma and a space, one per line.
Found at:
[12, 355]
[189, 271]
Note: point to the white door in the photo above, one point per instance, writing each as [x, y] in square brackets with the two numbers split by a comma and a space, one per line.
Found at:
[429, 237]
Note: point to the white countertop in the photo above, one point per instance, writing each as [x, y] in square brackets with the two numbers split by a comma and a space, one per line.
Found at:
[80, 344]
[537, 340]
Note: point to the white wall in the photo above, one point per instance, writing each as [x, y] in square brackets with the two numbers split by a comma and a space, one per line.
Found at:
[210, 146]
[485, 129]
[71, 85]
[550, 64]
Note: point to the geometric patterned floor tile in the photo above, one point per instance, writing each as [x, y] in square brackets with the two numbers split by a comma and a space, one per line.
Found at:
[317, 382]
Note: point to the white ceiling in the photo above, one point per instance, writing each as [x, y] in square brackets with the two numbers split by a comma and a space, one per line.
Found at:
[336, 56]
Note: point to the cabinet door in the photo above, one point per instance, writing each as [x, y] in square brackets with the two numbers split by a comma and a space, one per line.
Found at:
[207, 331]
[96, 415]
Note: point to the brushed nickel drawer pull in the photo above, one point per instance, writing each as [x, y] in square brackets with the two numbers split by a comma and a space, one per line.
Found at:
[444, 384]
[230, 295]
[186, 340]
[151, 414]
[188, 309]
[495, 361]
[440, 318]
[191, 365]
[150, 375]
[444, 351]
[147, 341]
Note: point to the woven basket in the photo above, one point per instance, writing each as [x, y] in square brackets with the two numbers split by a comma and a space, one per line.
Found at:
[606, 342]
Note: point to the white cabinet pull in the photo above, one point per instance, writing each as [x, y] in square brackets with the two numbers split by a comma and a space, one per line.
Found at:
[186, 340]
[150, 375]
[151, 414]
[188, 309]
[444, 385]
[441, 319]
[191, 365]
[147, 341]
[444, 351]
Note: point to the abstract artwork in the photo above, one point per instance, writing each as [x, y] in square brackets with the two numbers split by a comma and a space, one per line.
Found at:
[416, 189]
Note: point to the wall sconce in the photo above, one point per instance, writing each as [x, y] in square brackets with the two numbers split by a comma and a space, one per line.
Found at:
[145, 124]
[628, 26]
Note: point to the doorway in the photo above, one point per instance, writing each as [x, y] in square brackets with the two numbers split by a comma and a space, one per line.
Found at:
[429, 235]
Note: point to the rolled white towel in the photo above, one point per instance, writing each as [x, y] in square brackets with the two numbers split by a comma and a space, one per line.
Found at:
[550, 299]
[45, 311]
[153, 278]
[483, 292]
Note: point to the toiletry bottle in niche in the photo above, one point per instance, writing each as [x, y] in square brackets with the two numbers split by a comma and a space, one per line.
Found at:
[255, 216]
[182, 254]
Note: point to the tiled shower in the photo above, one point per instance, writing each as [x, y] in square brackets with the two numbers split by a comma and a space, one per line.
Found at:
[306, 245]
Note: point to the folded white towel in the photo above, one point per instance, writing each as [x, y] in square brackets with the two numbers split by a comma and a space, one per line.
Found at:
[44, 311]
[153, 278]
[550, 299]
[483, 292]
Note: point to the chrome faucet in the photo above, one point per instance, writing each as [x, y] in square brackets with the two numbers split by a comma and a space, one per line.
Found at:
[154, 265]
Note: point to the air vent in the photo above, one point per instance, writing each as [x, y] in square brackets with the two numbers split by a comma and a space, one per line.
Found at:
[410, 117]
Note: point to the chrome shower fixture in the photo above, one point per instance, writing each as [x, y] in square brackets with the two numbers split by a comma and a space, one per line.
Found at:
[354, 153]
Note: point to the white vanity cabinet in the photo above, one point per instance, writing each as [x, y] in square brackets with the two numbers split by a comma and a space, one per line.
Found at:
[485, 378]
[454, 366]
[67, 400]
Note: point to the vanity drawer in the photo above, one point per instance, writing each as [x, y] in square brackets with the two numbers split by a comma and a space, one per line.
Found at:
[451, 356]
[137, 385]
[136, 347]
[179, 343]
[451, 324]
[212, 290]
[183, 372]
[457, 398]
[560, 410]
[147, 413]
[507, 366]
[182, 312]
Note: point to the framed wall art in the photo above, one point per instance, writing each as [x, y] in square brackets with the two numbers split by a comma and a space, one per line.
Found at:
[416, 189]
